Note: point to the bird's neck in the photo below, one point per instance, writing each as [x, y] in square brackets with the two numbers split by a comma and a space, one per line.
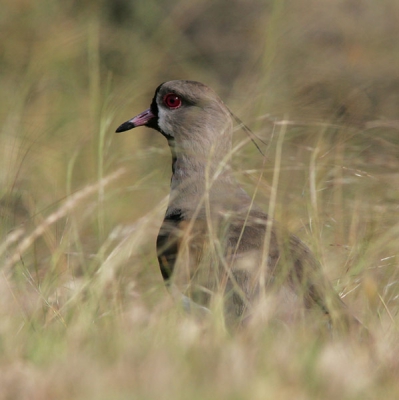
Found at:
[195, 175]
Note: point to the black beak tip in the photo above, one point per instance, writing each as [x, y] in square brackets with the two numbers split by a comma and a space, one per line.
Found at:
[125, 127]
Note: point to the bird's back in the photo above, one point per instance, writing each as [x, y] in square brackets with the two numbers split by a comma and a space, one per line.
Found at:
[233, 251]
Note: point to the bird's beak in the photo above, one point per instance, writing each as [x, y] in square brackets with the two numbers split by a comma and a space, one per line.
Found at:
[138, 120]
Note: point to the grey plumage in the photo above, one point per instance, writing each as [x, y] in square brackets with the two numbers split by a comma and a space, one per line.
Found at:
[213, 239]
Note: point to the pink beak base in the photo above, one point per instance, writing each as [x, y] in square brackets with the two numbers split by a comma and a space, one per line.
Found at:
[139, 120]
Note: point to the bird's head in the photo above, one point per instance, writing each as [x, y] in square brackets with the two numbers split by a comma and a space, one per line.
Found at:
[190, 115]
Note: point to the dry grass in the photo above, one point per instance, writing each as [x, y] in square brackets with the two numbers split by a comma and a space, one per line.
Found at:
[83, 310]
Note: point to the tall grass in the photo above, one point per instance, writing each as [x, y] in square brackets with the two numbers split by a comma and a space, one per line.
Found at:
[83, 309]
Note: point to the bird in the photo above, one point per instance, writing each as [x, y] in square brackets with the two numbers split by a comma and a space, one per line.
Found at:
[215, 242]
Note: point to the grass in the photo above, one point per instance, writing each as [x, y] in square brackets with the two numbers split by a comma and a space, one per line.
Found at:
[83, 309]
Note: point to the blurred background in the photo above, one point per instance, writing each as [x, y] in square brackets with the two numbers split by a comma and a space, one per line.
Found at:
[72, 72]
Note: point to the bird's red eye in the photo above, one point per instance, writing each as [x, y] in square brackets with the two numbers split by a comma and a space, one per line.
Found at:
[172, 101]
